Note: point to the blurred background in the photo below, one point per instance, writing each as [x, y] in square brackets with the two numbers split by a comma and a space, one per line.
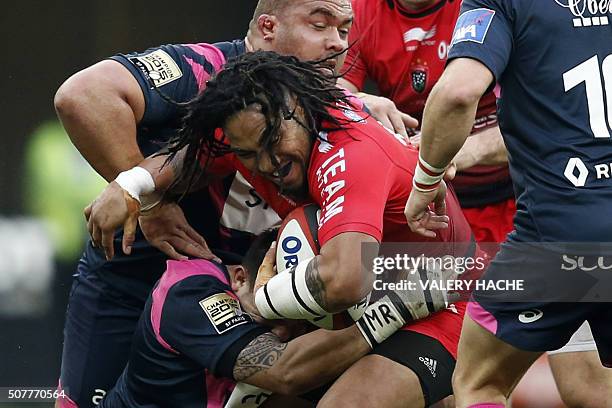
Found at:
[44, 183]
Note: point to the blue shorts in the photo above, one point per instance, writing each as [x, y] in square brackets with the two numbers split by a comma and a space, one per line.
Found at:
[104, 306]
[556, 299]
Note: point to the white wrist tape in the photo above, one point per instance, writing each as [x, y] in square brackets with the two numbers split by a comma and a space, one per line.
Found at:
[286, 296]
[429, 167]
[136, 181]
[247, 396]
[426, 177]
[381, 319]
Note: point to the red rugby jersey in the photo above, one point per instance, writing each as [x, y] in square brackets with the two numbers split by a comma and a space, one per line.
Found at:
[405, 53]
[361, 178]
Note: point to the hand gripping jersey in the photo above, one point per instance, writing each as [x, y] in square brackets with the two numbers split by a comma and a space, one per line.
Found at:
[405, 54]
[187, 341]
[553, 60]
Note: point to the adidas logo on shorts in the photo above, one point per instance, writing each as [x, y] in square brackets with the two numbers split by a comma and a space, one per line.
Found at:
[430, 363]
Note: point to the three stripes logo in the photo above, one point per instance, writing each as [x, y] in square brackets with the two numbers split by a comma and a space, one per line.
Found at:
[430, 363]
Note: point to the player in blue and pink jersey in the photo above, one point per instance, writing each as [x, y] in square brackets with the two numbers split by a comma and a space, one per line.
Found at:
[199, 333]
[553, 60]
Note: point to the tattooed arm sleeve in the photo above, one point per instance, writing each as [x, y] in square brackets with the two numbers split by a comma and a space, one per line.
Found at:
[301, 364]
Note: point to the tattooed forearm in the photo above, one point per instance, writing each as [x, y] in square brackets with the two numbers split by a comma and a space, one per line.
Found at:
[260, 354]
[315, 284]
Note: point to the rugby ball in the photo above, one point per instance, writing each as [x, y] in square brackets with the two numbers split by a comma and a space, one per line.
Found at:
[298, 240]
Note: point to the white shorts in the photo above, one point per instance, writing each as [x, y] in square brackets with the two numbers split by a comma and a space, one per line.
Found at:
[582, 340]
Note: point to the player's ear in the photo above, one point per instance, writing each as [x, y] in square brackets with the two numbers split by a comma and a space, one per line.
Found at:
[266, 26]
[240, 277]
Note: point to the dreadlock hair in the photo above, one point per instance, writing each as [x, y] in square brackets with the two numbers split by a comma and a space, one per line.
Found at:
[278, 84]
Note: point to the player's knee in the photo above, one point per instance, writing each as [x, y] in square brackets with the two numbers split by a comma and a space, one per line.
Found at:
[465, 385]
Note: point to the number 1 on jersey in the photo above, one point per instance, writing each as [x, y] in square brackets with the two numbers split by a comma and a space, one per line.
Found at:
[589, 73]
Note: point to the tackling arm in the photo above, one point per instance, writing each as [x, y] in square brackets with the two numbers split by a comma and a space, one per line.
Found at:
[119, 206]
[447, 121]
[318, 357]
[100, 108]
[301, 364]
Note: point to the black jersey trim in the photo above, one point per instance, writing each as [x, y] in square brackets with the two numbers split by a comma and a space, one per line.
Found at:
[297, 295]
[265, 288]
[427, 292]
[421, 13]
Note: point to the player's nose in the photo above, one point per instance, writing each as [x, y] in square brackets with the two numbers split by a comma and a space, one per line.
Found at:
[335, 41]
[265, 165]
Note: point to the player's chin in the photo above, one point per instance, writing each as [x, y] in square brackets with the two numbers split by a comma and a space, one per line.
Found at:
[294, 184]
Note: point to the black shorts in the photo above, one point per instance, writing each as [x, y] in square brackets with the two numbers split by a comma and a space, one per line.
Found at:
[426, 357]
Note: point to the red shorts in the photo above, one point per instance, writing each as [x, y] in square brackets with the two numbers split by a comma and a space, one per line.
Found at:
[444, 326]
[493, 222]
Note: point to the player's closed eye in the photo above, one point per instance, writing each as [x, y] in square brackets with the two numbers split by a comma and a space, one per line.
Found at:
[244, 154]
[319, 26]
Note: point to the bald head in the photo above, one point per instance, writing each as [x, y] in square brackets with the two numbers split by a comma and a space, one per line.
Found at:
[273, 7]
[307, 29]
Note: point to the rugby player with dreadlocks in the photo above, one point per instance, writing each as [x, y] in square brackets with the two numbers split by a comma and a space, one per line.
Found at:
[299, 139]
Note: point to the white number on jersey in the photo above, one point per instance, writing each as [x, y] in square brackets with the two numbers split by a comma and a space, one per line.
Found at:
[590, 73]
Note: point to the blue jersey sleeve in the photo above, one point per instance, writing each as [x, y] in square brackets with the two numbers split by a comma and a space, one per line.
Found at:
[484, 32]
[202, 319]
[174, 72]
